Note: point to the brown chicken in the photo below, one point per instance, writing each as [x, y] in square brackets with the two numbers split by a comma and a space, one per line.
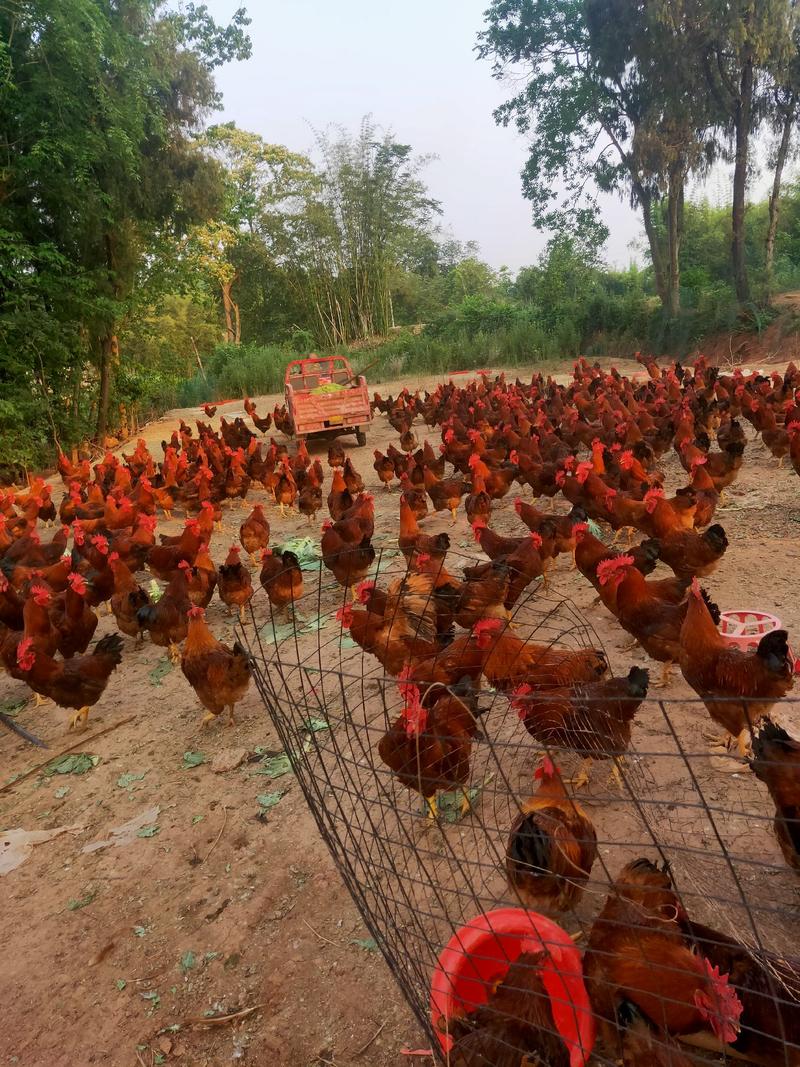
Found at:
[638, 951]
[384, 468]
[445, 493]
[202, 579]
[72, 618]
[693, 555]
[642, 1045]
[552, 846]
[166, 618]
[234, 584]
[282, 579]
[591, 718]
[163, 560]
[429, 744]
[346, 552]
[352, 479]
[254, 532]
[340, 499]
[412, 541]
[335, 455]
[127, 599]
[509, 661]
[219, 675]
[415, 498]
[517, 1026]
[285, 487]
[76, 683]
[776, 763]
[737, 687]
[484, 594]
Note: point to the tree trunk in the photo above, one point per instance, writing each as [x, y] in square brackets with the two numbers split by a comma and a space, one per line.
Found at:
[228, 305]
[237, 324]
[775, 195]
[674, 228]
[109, 350]
[645, 198]
[742, 121]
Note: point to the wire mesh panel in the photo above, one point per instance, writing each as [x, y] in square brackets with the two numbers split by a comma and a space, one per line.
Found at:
[672, 881]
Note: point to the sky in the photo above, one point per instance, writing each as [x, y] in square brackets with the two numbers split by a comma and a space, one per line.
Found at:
[412, 66]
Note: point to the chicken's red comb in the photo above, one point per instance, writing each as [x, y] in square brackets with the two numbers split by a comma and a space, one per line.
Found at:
[345, 615]
[721, 1006]
[536, 539]
[363, 589]
[196, 612]
[487, 626]
[609, 567]
[423, 558]
[546, 770]
[184, 565]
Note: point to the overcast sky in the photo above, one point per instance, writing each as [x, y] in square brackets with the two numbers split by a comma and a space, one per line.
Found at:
[412, 65]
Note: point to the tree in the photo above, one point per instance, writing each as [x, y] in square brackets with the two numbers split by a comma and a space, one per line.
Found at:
[784, 116]
[99, 109]
[370, 208]
[750, 40]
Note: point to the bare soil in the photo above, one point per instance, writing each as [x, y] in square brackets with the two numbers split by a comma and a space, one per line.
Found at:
[222, 909]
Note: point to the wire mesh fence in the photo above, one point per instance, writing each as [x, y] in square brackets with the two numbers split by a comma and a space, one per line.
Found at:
[681, 899]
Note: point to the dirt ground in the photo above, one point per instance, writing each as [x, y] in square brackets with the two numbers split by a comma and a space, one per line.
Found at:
[119, 956]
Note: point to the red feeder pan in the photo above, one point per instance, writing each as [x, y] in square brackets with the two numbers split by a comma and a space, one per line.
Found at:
[478, 956]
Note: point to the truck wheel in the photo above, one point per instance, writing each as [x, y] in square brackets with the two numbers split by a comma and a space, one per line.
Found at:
[361, 438]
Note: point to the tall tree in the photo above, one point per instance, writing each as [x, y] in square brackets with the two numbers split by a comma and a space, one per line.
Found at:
[371, 205]
[99, 109]
[784, 116]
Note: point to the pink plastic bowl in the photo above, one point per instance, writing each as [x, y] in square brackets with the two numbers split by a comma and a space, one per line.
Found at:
[744, 629]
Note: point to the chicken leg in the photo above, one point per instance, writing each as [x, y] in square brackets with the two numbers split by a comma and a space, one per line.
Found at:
[81, 716]
[582, 777]
[433, 811]
[231, 717]
[453, 515]
[174, 653]
[664, 680]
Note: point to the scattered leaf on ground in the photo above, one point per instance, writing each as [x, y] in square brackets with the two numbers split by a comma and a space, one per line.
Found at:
[82, 902]
[139, 931]
[154, 998]
[187, 961]
[449, 804]
[196, 819]
[193, 759]
[315, 725]
[209, 956]
[275, 766]
[12, 707]
[348, 642]
[72, 763]
[121, 983]
[17, 845]
[273, 635]
[269, 800]
[319, 622]
[61, 792]
[125, 781]
[369, 944]
[160, 671]
[148, 831]
[155, 591]
[127, 833]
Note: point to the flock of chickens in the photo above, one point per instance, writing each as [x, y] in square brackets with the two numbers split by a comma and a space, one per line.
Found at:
[596, 443]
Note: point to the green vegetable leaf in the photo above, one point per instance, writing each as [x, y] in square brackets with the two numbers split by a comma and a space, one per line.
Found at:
[316, 725]
[12, 707]
[193, 759]
[187, 961]
[160, 671]
[73, 763]
[121, 983]
[196, 819]
[269, 800]
[125, 781]
[139, 931]
[82, 902]
[369, 944]
[61, 792]
[148, 831]
[275, 766]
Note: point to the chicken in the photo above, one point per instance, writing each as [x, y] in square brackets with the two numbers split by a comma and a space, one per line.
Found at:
[202, 579]
[415, 498]
[591, 718]
[495, 546]
[210, 410]
[412, 541]
[352, 479]
[219, 675]
[127, 599]
[285, 487]
[520, 1024]
[254, 532]
[445, 493]
[384, 468]
[552, 846]
[282, 579]
[484, 594]
[72, 618]
[722, 675]
[509, 661]
[793, 429]
[340, 499]
[166, 618]
[642, 1045]
[163, 560]
[478, 503]
[76, 683]
[346, 552]
[639, 952]
[335, 455]
[776, 763]
[693, 555]
[428, 746]
[234, 584]
[309, 501]
[646, 611]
